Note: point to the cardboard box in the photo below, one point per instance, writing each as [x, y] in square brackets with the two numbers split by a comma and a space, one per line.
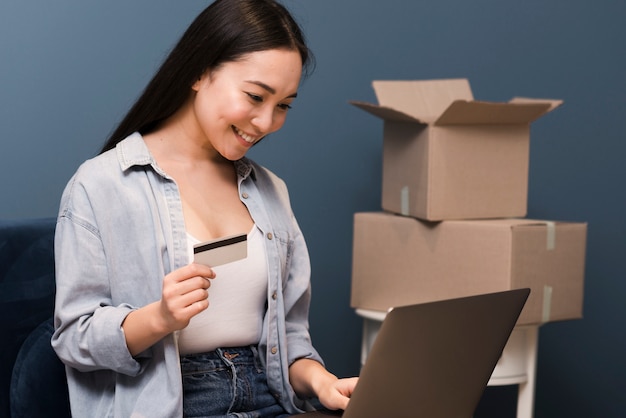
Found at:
[400, 260]
[447, 156]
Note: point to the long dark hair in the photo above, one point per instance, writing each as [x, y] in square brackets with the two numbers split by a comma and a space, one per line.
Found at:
[223, 32]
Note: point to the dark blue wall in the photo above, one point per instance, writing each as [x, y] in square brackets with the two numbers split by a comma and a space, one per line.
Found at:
[69, 69]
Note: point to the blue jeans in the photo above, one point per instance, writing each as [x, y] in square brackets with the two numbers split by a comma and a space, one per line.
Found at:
[227, 382]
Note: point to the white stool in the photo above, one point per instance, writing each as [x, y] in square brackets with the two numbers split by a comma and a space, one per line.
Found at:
[516, 366]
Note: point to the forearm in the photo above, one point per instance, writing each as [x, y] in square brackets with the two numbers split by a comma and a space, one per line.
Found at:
[308, 377]
[142, 328]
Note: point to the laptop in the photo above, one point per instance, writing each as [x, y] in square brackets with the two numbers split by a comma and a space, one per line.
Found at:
[434, 360]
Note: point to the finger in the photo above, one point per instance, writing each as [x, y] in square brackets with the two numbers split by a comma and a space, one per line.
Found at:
[187, 311]
[192, 284]
[194, 302]
[196, 307]
[346, 385]
[202, 270]
[198, 295]
[191, 270]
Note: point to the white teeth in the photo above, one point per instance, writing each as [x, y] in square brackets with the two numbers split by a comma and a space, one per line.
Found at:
[248, 138]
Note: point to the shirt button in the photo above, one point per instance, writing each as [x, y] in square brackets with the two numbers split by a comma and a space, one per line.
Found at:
[270, 236]
[274, 295]
[274, 350]
[245, 195]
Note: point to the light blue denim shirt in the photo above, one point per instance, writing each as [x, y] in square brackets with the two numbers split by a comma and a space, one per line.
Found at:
[120, 230]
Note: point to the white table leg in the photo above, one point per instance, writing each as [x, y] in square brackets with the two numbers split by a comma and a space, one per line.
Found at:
[526, 394]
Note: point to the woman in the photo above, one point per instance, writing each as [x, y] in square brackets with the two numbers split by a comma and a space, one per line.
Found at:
[143, 330]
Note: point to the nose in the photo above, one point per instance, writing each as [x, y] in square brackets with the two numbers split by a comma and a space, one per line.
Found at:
[264, 120]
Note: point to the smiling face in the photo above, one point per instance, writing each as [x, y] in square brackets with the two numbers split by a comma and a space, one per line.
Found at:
[242, 101]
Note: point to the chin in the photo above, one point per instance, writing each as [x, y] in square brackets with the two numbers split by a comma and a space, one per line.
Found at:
[233, 156]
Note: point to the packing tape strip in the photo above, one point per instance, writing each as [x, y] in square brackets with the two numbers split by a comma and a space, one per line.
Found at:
[547, 290]
[547, 304]
[404, 201]
[550, 235]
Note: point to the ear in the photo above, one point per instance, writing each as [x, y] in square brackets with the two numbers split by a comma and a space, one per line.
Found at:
[204, 77]
[196, 86]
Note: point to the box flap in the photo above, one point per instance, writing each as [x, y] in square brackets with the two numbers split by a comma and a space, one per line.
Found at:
[424, 100]
[492, 113]
[449, 102]
[385, 112]
[554, 103]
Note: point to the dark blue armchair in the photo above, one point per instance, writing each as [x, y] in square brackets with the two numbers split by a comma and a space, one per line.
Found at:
[32, 378]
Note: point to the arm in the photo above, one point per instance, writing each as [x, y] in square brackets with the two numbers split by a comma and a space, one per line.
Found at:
[88, 335]
[105, 312]
[306, 373]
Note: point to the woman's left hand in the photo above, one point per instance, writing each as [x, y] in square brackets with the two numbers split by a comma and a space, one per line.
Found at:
[336, 394]
[310, 379]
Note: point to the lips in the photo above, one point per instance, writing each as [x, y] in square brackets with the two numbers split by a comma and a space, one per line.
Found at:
[248, 138]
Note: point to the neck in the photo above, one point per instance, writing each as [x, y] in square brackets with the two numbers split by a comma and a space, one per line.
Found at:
[178, 139]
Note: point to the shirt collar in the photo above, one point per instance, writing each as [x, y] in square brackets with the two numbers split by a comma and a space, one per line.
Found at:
[245, 168]
[133, 151]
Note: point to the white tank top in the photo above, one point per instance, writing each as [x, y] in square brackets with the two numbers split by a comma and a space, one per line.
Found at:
[237, 299]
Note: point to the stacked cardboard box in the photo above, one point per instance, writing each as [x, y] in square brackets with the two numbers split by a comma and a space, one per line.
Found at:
[454, 198]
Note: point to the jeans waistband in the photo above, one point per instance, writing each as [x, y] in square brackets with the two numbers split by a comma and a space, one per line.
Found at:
[230, 354]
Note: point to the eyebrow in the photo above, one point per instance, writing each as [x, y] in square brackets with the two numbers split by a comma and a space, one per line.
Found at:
[269, 88]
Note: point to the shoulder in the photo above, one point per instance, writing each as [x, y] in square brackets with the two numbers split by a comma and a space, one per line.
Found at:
[106, 170]
[91, 173]
[104, 179]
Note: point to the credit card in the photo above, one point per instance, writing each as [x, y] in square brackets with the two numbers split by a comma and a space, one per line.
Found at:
[221, 251]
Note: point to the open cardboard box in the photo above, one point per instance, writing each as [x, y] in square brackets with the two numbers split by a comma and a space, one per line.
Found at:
[448, 156]
[400, 260]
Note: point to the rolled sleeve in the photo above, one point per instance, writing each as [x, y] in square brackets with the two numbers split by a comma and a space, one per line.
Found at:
[88, 334]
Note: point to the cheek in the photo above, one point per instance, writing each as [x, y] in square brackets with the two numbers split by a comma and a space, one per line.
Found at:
[218, 106]
[204, 110]
[233, 112]
[279, 120]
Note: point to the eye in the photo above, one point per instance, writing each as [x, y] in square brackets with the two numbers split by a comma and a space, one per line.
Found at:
[255, 97]
[259, 99]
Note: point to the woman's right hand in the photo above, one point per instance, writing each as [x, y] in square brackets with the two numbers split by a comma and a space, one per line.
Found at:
[185, 294]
